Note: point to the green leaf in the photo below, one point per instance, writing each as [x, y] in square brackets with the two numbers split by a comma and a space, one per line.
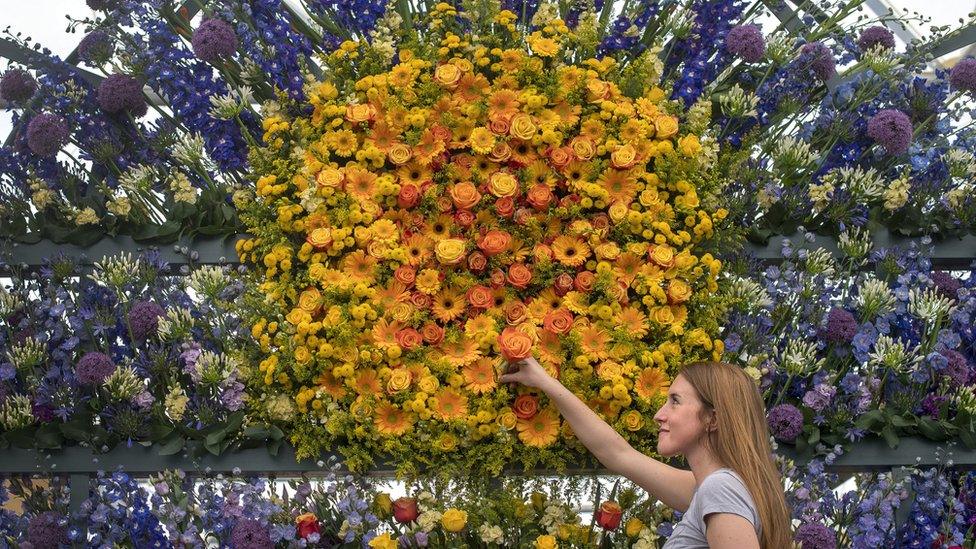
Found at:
[74, 431]
[214, 439]
[870, 420]
[902, 422]
[932, 429]
[159, 431]
[968, 438]
[48, 437]
[172, 446]
[888, 432]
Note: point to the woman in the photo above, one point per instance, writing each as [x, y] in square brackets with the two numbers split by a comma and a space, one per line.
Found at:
[732, 497]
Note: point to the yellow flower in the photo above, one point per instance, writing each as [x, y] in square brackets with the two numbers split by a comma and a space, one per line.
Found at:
[632, 420]
[383, 504]
[546, 542]
[689, 145]
[482, 140]
[523, 127]
[634, 527]
[503, 184]
[666, 126]
[383, 542]
[543, 47]
[450, 251]
[399, 380]
[454, 520]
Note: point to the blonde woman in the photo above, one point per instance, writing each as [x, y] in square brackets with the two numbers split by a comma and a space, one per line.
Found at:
[732, 498]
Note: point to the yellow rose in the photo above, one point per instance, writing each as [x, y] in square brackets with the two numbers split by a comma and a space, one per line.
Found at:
[310, 300]
[624, 157]
[402, 311]
[383, 542]
[546, 542]
[634, 527]
[447, 75]
[689, 145]
[608, 251]
[428, 384]
[446, 443]
[598, 89]
[583, 148]
[383, 504]
[503, 184]
[399, 154]
[666, 126]
[329, 177]
[360, 113]
[618, 211]
[678, 291]
[450, 251]
[663, 255]
[320, 238]
[522, 127]
[399, 380]
[632, 420]
[454, 520]
[302, 355]
[506, 419]
[663, 315]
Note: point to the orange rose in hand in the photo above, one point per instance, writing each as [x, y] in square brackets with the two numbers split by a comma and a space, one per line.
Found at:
[514, 344]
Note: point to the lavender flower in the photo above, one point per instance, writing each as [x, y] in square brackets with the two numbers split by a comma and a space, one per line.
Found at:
[93, 368]
[17, 86]
[957, 368]
[122, 94]
[44, 530]
[214, 39]
[892, 129]
[96, 48]
[785, 422]
[747, 42]
[102, 5]
[820, 59]
[819, 397]
[46, 134]
[814, 535]
[876, 35]
[947, 284]
[144, 319]
[841, 326]
[250, 534]
[962, 76]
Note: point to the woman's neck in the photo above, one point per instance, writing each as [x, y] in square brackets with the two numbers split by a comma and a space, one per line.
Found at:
[703, 463]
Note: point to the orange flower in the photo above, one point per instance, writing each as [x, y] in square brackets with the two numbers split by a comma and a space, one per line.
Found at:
[390, 420]
[448, 404]
[539, 197]
[479, 297]
[559, 321]
[359, 266]
[448, 305]
[540, 431]
[465, 195]
[494, 242]
[593, 341]
[479, 376]
[519, 275]
[360, 183]
[525, 406]
[651, 382]
[584, 281]
[432, 333]
[515, 312]
[408, 338]
[514, 344]
[570, 250]
[367, 382]
[461, 352]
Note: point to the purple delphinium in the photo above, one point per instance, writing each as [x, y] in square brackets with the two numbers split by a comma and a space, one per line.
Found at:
[962, 76]
[873, 36]
[747, 42]
[820, 58]
[814, 535]
[120, 93]
[95, 48]
[46, 134]
[841, 326]
[785, 422]
[250, 534]
[947, 284]
[214, 39]
[17, 85]
[892, 129]
[44, 530]
[144, 319]
[93, 368]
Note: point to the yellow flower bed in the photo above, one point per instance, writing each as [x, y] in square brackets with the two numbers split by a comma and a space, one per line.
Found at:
[412, 214]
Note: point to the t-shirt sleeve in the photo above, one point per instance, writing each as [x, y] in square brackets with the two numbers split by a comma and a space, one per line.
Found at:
[724, 493]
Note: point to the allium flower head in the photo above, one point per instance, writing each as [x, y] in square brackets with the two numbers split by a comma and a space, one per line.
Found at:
[814, 535]
[820, 59]
[44, 530]
[17, 86]
[875, 36]
[96, 48]
[785, 422]
[892, 129]
[214, 39]
[250, 534]
[962, 76]
[46, 134]
[144, 319]
[747, 42]
[122, 94]
[93, 368]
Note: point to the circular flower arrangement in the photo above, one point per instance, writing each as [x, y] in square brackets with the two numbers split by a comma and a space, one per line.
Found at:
[478, 200]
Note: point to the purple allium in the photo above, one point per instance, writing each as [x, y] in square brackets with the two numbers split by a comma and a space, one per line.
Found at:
[747, 42]
[250, 534]
[931, 404]
[46, 134]
[785, 422]
[42, 412]
[121, 93]
[814, 535]
[43, 530]
[873, 36]
[17, 85]
[962, 76]
[947, 284]
[821, 59]
[957, 367]
[93, 368]
[102, 5]
[841, 326]
[214, 39]
[144, 319]
[892, 129]
[96, 47]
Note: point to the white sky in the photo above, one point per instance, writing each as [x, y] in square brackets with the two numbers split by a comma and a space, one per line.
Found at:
[44, 21]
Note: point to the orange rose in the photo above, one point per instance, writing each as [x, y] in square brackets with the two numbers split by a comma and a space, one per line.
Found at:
[464, 218]
[558, 321]
[560, 156]
[539, 196]
[525, 406]
[584, 281]
[399, 153]
[405, 274]
[514, 312]
[442, 133]
[563, 284]
[465, 195]
[432, 333]
[500, 153]
[420, 300]
[624, 157]
[408, 197]
[499, 125]
[505, 206]
[494, 242]
[408, 338]
[663, 255]
[542, 252]
[320, 238]
[480, 297]
[497, 278]
[360, 113]
[477, 261]
[519, 275]
[514, 344]
[600, 221]
[306, 525]
[608, 515]
[447, 75]
[598, 89]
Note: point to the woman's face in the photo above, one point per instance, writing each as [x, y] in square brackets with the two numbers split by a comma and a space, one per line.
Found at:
[680, 427]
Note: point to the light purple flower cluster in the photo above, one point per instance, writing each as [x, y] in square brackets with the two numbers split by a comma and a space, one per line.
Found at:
[876, 35]
[46, 134]
[820, 60]
[47, 529]
[213, 40]
[962, 76]
[747, 42]
[122, 94]
[841, 326]
[814, 535]
[144, 319]
[892, 129]
[93, 368]
[96, 48]
[17, 86]
[250, 534]
[785, 422]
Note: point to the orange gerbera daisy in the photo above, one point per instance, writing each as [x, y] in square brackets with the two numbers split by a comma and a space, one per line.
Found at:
[544, 303]
[390, 420]
[567, 112]
[463, 351]
[383, 136]
[396, 117]
[634, 321]
[539, 173]
[651, 382]
[577, 172]
[594, 129]
[541, 430]
[360, 183]
[448, 404]
[413, 173]
[419, 249]
[620, 184]
[523, 152]
[627, 266]
[367, 382]
[503, 101]
[479, 376]
[428, 147]
[511, 60]
[471, 87]
[359, 266]
[384, 332]
[570, 250]
[594, 341]
[331, 385]
[391, 294]
[448, 305]
[550, 348]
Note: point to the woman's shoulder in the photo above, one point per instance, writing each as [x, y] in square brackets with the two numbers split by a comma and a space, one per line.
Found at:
[723, 491]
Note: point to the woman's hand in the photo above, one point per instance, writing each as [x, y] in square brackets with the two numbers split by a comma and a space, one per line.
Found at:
[528, 372]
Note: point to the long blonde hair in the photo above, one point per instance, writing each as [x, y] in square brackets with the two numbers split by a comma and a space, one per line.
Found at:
[740, 442]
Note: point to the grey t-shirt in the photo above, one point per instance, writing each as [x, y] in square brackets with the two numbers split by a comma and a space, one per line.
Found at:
[721, 492]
